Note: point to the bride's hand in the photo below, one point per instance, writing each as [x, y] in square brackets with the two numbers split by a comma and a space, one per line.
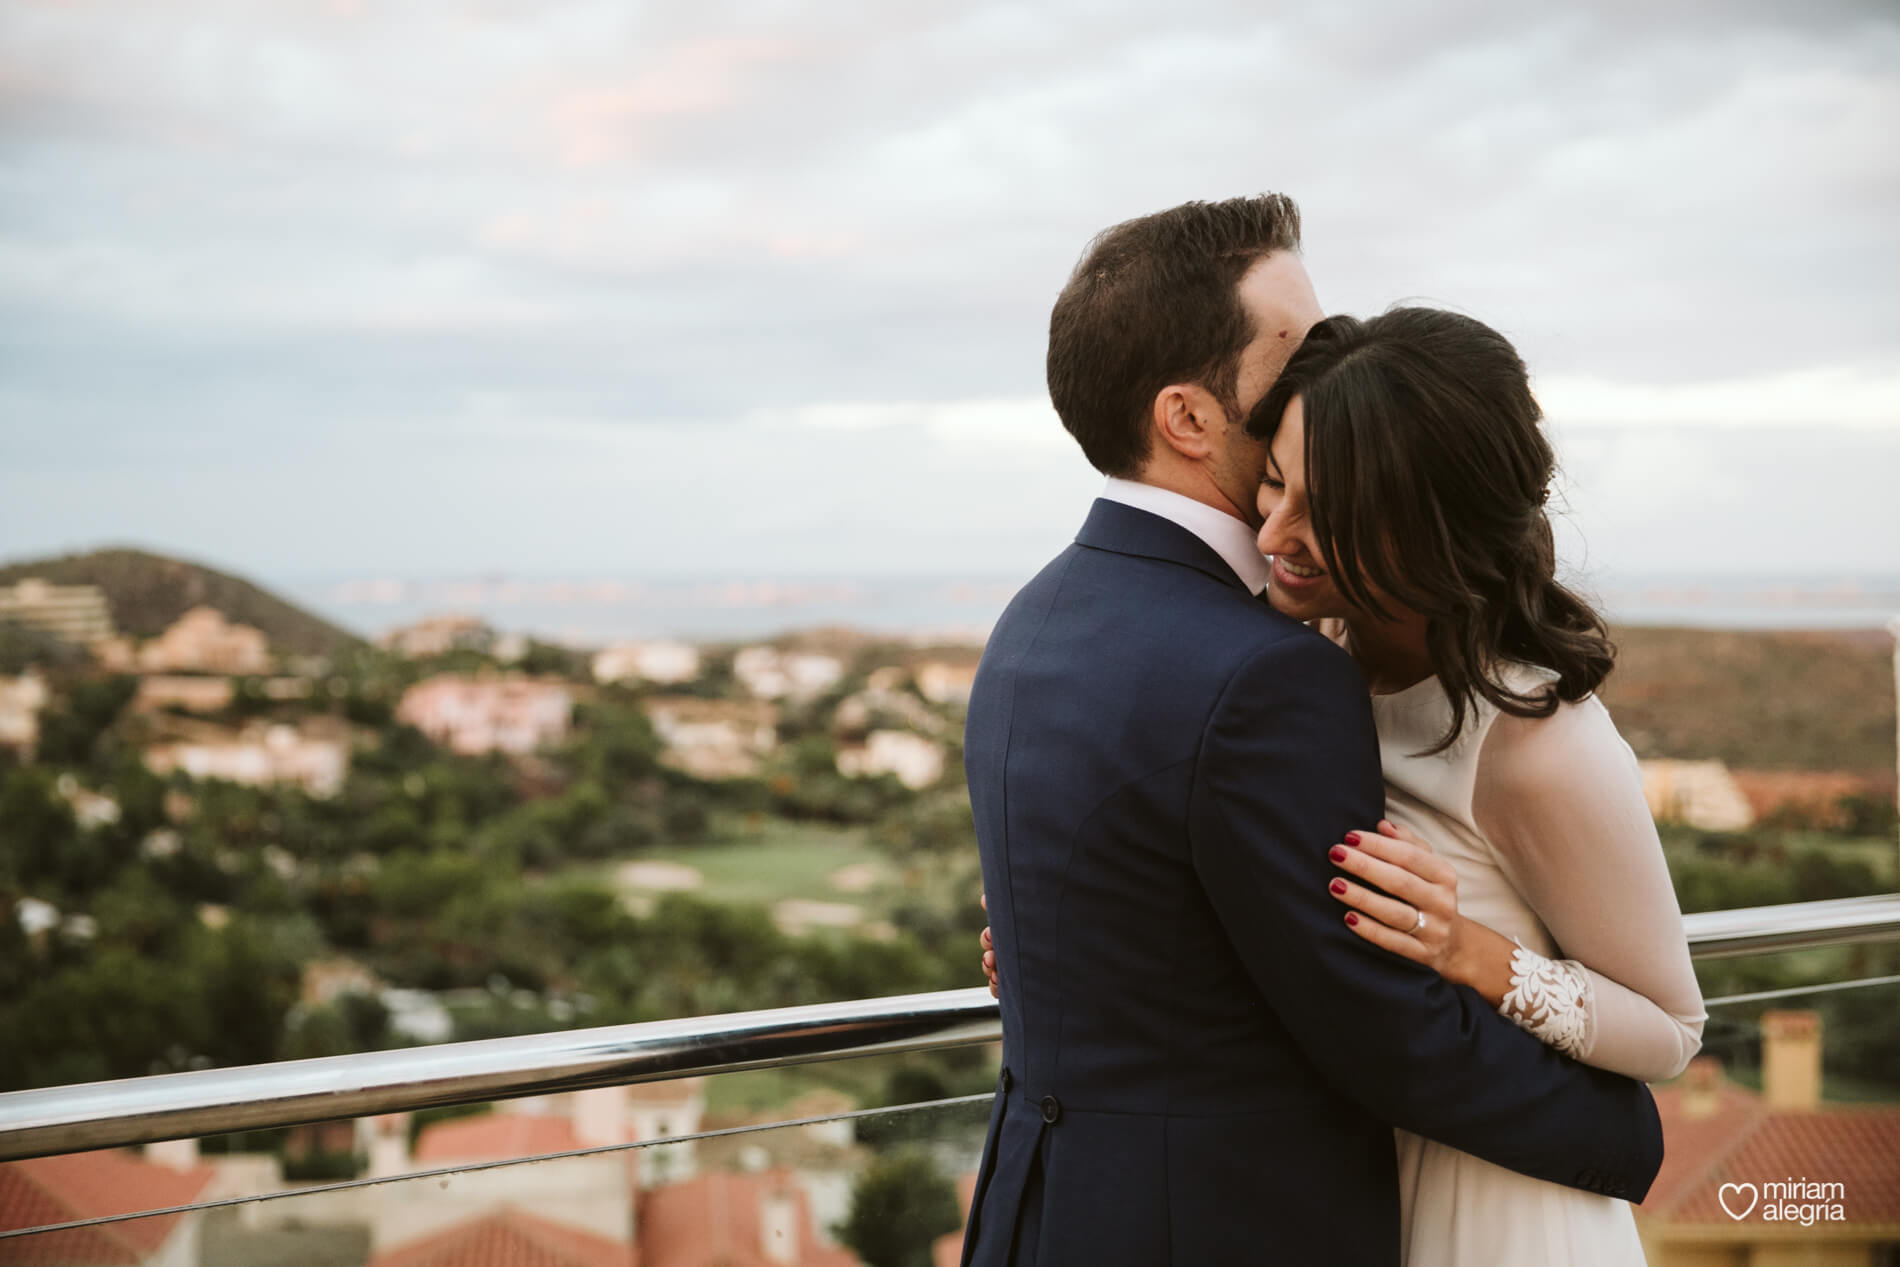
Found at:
[1419, 882]
[989, 950]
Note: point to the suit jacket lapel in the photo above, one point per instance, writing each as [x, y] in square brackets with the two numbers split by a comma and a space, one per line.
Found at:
[1124, 530]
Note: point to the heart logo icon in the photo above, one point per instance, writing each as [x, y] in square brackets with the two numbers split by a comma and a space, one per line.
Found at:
[1722, 1195]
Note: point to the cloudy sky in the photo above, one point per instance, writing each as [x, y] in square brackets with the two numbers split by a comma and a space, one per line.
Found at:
[321, 288]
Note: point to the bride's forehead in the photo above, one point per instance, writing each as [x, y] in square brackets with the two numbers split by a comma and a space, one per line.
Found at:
[1287, 452]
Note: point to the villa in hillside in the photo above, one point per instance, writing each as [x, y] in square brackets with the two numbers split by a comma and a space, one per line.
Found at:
[474, 715]
[667, 663]
[188, 693]
[77, 613]
[713, 738]
[21, 700]
[438, 635]
[198, 693]
[314, 754]
[916, 761]
[203, 641]
[768, 673]
[941, 682]
[1700, 794]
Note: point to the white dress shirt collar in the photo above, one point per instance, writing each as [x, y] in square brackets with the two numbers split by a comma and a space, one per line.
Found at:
[1227, 536]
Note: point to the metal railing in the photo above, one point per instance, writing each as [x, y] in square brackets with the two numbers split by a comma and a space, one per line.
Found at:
[287, 1093]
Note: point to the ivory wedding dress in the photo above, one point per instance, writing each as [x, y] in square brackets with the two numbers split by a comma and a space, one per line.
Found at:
[1544, 822]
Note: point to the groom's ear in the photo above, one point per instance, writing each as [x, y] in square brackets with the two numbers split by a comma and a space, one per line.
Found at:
[1186, 418]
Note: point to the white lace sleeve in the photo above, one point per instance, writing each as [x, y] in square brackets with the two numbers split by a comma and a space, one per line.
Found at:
[1560, 799]
[1551, 999]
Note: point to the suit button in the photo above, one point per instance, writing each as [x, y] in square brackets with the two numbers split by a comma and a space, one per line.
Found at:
[1051, 1109]
[1006, 1081]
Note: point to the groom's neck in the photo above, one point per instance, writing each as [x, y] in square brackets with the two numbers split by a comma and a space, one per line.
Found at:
[1195, 484]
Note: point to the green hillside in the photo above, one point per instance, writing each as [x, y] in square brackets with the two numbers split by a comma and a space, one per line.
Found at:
[1772, 701]
[147, 592]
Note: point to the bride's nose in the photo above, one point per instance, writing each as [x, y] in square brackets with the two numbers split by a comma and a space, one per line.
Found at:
[1274, 538]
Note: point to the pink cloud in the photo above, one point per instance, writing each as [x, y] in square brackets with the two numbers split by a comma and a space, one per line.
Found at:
[609, 123]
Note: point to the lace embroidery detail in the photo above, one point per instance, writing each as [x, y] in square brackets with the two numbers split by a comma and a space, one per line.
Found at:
[1551, 998]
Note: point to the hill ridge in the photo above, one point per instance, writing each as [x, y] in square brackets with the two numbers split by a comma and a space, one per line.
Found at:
[147, 592]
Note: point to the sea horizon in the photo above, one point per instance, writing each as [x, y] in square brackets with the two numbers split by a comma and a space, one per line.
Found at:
[593, 610]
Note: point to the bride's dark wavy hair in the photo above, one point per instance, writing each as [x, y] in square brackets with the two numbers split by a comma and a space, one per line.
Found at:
[1426, 477]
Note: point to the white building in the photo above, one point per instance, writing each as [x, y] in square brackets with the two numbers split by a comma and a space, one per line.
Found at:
[418, 1014]
[477, 715]
[943, 683]
[203, 641]
[769, 673]
[664, 662]
[21, 700]
[916, 761]
[77, 613]
[713, 738]
[594, 1193]
[257, 756]
[1701, 794]
[438, 635]
[193, 694]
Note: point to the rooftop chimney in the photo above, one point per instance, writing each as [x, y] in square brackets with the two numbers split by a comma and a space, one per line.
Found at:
[385, 1138]
[600, 1116]
[1702, 1088]
[1791, 1059]
[174, 1154]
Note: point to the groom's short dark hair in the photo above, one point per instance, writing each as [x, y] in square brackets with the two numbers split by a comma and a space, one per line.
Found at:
[1155, 301]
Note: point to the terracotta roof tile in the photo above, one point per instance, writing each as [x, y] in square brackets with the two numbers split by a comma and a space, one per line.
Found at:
[715, 1221]
[509, 1238]
[87, 1186]
[1743, 1141]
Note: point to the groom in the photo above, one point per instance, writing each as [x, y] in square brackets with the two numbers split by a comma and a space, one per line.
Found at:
[1202, 1065]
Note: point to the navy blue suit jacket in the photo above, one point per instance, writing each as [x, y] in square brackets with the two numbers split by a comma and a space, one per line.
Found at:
[1202, 1064]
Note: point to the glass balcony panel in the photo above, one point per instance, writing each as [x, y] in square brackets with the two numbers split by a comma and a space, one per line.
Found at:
[1852, 991]
[780, 1193]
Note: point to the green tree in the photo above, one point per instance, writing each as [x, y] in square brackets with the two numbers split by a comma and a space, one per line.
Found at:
[70, 733]
[37, 832]
[901, 1204]
[939, 824]
[351, 1022]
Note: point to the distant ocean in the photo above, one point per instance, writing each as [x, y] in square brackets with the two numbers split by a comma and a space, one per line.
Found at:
[591, 611]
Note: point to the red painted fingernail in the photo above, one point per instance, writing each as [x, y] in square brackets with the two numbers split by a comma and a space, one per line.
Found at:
[1352, 838]
[1336, 853]
[1337, 886]
[1352, 918]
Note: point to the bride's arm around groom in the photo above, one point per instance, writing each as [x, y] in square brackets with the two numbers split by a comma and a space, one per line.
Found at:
[1393, 1036]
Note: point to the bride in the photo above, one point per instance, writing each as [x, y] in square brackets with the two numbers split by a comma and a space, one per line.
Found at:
[1404, 508]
